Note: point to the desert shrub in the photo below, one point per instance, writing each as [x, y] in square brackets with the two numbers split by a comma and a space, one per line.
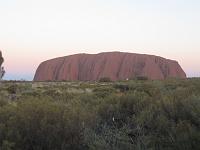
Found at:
[102, 92]
[105, 79]
[141, 78]
[125, 115]
[3, 102]
[12, 89]
[108, 138]
[32, 93]
[42, 124]
[122, 87]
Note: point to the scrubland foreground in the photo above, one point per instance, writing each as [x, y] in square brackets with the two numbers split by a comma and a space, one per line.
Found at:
[129, 115]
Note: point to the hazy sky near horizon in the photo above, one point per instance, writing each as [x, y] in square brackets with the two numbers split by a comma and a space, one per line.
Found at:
[32, 31]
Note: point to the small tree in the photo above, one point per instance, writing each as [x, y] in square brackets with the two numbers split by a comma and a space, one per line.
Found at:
[2, 71]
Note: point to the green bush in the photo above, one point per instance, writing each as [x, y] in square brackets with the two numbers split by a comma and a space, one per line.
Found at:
[141, 78]
[42, 124]
[12, 89]
[105, 79]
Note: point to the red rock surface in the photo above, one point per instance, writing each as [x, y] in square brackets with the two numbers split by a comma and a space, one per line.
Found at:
[115, 65]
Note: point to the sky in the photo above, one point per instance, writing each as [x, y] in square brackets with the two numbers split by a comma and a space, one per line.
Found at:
[32, 31]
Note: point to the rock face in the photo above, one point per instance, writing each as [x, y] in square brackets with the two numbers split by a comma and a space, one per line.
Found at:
[115, 65]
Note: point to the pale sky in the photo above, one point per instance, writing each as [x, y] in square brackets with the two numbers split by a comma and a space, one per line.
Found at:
[32, 31]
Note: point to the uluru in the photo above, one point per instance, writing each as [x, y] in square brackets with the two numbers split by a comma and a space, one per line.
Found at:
[113, 65]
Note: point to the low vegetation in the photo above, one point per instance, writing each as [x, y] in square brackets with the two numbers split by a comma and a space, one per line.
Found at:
[105, 79]
[127, 115]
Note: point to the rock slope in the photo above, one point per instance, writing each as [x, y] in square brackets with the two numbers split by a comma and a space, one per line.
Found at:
[115, 65]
